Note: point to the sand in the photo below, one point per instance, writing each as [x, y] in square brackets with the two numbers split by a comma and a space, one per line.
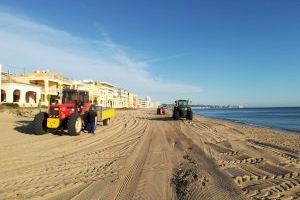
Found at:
[141, 155]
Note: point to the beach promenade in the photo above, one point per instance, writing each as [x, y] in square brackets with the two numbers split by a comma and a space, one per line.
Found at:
[142, 155]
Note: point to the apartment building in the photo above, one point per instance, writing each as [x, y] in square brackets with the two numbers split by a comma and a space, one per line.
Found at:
[146, 103]
[141, 103]
[123, 98]
[154, 104]
[43, 87]
[110, 92]
[102, 97]
[51, 84]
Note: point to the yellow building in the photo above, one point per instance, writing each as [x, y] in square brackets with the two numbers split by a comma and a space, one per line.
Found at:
[98, 92]
[135, 101]
[122, 98]
[102, 95]
[130, 100]
[109, 92]
[51, 83]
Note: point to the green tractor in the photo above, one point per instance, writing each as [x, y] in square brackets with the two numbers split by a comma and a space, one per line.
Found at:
[182, 110]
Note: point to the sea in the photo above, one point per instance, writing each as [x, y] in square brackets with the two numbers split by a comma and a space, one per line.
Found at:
[281, 118]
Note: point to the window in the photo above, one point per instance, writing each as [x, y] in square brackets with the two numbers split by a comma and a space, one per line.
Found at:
[69, 96]
[84, 96]
[182, 103]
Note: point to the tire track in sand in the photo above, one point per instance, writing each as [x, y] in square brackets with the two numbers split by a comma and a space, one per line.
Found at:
[91, 159]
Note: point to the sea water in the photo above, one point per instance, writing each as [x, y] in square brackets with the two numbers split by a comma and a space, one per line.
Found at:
[284, 118]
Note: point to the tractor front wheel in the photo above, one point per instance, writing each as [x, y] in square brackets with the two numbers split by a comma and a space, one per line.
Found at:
[176, 115]
[74, 125]
[40, 123]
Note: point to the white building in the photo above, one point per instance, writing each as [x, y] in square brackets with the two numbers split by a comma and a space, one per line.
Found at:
[26, 95]
[154, 104]
[147, 102]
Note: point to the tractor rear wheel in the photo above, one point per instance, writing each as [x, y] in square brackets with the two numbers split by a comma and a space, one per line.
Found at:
[74, 125]
[106, 122]
[40, 123]
[190, 115]
[176, 115]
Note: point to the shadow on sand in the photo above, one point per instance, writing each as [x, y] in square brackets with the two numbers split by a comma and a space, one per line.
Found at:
[25, 127]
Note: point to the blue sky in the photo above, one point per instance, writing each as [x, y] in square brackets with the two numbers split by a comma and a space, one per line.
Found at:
[213, 52]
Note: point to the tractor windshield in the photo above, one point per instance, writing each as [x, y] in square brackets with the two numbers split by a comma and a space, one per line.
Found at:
[73, 96]
[69, 96]
[84, 96]
[182, 103]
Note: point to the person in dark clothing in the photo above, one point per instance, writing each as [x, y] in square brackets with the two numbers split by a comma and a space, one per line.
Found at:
[91, 120]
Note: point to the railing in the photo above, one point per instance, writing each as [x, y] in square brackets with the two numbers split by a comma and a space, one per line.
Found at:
[50, 90]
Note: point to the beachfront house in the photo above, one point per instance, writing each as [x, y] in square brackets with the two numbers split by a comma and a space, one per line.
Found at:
[51, 83]
[14, 91]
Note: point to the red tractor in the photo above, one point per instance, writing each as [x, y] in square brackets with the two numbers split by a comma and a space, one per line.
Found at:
[161, 110]
[71, 114]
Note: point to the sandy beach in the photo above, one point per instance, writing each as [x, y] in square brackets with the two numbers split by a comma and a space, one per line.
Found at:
[141, 155]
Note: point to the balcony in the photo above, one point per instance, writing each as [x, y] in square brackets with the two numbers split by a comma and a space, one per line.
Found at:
[50, 90]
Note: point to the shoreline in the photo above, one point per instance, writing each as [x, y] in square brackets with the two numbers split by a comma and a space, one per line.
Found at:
[287, 131]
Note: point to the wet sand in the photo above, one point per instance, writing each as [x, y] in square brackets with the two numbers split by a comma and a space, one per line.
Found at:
[141, 155]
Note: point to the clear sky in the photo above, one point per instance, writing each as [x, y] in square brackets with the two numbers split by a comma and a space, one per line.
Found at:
[213, 52]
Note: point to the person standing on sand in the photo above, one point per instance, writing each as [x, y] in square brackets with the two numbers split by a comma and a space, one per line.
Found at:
[91, 120]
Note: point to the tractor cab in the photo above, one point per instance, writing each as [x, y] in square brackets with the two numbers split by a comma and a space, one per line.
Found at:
[77, 100]
[74, 96]
[161, 110]
[182, 103]
[72, 101]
